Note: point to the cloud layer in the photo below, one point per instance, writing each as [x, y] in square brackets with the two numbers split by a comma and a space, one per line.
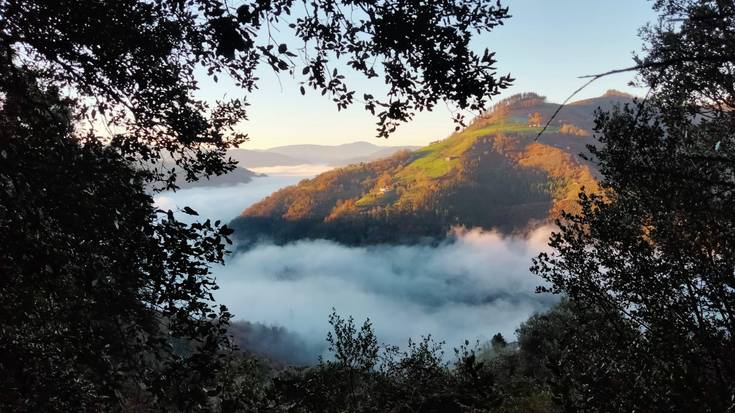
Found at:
[467, 289]
[223, 202]
[302, 170]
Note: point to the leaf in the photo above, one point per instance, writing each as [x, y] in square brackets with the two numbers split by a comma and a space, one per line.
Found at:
[190, 211]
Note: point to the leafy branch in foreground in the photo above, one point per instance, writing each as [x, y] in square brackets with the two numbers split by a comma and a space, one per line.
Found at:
[656, 248]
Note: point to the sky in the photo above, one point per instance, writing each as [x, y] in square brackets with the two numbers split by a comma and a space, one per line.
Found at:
[545, 46]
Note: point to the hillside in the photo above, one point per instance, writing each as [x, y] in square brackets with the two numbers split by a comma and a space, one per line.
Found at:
[492, 174]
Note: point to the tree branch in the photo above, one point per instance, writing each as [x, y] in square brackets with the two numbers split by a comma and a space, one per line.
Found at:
[648, 65]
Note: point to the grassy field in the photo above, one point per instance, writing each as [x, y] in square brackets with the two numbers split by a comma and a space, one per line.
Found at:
[431, 163]
[438, 159]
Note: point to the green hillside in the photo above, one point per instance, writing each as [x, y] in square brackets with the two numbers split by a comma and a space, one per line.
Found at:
[492, 174]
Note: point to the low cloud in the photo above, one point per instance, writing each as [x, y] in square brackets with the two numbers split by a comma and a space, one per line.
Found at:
[223, 202]
[470, 288]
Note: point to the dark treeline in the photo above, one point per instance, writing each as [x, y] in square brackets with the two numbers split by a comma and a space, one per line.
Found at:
[362, 376]
[274, 344]
[106, 301]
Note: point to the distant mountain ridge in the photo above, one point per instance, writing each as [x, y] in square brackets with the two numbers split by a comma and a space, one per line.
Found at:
[237, 176]
[493, 174]
[291, 155]
[336, 155]
[248, 158]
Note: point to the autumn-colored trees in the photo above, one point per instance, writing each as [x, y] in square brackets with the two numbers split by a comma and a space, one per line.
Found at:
[535, 119]
[569, 129]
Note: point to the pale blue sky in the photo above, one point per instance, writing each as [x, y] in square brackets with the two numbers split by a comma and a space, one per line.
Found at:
[545, 46]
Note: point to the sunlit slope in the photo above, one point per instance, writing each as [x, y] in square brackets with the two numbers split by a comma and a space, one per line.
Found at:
[493, 174]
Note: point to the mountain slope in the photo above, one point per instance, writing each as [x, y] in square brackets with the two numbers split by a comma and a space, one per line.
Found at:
[382, 153]
[248, 158]
[493, 174]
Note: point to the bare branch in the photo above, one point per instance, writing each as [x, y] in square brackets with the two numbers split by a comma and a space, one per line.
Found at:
[556, 112]
[648, 65]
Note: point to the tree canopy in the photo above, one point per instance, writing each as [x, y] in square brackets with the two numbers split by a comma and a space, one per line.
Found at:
[653, 252]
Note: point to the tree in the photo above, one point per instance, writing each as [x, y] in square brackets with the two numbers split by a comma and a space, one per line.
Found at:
[107, 301]
[498, 343]
[535, 119]
[362, 376]
[655, 249]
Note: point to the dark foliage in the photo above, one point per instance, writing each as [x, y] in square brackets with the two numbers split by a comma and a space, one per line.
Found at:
[135, 61]
[362, 376]
[105, 299]
[540, 373]
[654, 254]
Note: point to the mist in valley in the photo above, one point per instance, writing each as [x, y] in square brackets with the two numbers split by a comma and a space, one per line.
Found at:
[469, 287]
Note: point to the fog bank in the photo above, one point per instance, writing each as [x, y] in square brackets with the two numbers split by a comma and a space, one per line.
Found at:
[302, 170]
[223, 202]
[471, 288]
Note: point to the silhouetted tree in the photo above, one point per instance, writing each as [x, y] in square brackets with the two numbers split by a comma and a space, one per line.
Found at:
[498, 342]
[655, 253]
[362, 376]
[106, 301]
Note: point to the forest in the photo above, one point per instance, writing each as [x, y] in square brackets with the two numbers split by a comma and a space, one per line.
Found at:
[107, 300]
